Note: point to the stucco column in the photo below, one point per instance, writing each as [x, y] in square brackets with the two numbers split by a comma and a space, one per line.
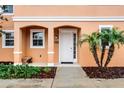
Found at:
[17, 46]
[50, 46]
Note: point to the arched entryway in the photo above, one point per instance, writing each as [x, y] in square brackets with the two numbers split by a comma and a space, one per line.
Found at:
[34, 43]
[66, 49]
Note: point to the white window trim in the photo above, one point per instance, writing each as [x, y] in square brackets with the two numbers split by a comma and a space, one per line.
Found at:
[102, 26]
[8, 14]
[31, 39]
[3, 39]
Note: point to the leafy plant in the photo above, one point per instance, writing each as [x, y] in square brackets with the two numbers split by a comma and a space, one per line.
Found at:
[111, 36]
[93, 41]
[18, 71]
[46, 69]
[116, 37]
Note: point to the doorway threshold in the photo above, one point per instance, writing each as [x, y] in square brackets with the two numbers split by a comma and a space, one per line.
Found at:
[68, 65]
[67, 62]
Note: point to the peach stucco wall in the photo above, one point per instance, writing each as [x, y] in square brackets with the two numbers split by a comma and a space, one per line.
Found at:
[84, 56]
[39, 55]
[8, 25]
[22, 32]
[6, 54]
[71, 10]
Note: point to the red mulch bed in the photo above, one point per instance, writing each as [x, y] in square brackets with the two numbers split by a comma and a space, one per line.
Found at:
[50, 74]
[109, 73]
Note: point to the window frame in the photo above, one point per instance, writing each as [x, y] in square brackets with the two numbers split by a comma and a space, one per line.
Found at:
[31, 38]
[105, 26]
[4, 40]
[6, 13]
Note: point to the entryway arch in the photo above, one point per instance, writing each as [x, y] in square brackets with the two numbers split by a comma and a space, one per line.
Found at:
[24, 43]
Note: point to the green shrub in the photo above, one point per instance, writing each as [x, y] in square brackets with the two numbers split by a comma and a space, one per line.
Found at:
[18, 71]
[46, 69]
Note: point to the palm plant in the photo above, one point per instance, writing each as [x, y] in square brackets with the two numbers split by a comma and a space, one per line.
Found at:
[101, 40]
[93, 41]
[104, 36]
[116, 37]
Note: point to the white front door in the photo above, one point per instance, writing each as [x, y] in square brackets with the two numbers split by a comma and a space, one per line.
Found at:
[66, 46]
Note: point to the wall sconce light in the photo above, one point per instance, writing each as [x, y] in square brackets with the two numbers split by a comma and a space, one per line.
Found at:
[56, 37]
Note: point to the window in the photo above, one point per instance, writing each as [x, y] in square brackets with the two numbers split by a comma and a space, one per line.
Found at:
[74, 45]
[104, 28]
[8, 8]
[8, 39]
[37, 38]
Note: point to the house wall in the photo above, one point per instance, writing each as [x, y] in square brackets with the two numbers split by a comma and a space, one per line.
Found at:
[8, 25]
[6, 54]
[56, 47]
[79, 10]
[39, 55]
[85, 57]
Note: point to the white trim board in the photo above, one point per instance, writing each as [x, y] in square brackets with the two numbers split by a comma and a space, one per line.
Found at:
[68, 18]
[16, 52]
[8, 14]
[50, 52]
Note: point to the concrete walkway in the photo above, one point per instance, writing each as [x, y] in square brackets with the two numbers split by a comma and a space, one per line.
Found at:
[70, 73]
[68, 77]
